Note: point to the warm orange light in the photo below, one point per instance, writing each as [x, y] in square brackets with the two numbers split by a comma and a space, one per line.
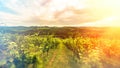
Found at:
[107, 10]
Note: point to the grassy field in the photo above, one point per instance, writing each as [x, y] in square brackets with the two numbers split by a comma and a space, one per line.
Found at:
[59, 47]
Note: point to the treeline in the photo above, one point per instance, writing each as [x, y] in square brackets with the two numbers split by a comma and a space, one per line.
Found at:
[61, 32]
[66, 32]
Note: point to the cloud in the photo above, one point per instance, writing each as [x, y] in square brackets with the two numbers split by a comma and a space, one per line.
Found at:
[37, 10]
[57, 12]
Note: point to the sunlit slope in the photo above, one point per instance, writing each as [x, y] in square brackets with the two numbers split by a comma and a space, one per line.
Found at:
[112, 32]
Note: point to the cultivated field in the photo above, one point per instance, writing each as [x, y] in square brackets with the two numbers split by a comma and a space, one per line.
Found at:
[59, 47]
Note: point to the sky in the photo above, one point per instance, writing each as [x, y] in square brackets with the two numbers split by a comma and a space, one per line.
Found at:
[60, 12]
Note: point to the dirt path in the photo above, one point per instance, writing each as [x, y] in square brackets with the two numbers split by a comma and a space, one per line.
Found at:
[62, 58]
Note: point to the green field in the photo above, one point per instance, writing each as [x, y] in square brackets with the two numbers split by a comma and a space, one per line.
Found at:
[59, 47]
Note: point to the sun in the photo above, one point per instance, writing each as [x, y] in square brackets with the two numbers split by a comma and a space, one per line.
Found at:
[107, 10]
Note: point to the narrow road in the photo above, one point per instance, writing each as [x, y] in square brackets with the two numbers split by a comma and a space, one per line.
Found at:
[62, 58]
